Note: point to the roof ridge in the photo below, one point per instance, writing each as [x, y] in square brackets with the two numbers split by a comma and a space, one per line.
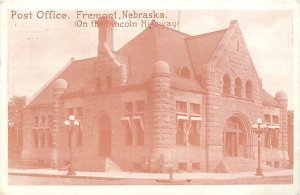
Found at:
[206, 34]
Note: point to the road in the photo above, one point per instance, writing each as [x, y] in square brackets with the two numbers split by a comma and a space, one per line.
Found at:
[34, 180]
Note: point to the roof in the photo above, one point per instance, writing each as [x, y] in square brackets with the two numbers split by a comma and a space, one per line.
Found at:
[152, 45]
[74, 73]
[140, 54]
[201, 47]
[269, 100]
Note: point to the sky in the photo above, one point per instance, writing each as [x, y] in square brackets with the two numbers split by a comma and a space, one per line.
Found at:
[39, 48]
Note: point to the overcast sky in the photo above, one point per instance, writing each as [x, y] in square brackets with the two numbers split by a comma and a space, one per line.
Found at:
[39, 48]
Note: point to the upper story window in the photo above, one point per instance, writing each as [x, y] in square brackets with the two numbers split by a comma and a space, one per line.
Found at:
[139, 106]
[249, 89]
[185, 72]
[238, 87]
[267, 118]
[50, 119]
[275, 119]
[195, 108]
[129, 106]
[43, 120]
[181, 106]
[36, 120]
[226, 85]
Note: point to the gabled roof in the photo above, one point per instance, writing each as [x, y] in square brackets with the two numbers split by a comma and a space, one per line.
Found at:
[201, 47]
[269, 100]
[152, 45]
[141, 53]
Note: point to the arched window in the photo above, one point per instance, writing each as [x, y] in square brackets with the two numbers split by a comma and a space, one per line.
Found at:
[249, 89]
[238, 87]
[226, 85]
[185, 72]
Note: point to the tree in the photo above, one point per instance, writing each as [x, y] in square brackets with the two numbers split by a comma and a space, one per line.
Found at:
[16, 107]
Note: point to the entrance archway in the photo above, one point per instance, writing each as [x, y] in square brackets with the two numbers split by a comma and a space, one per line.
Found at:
[104, 136]
[235, 138]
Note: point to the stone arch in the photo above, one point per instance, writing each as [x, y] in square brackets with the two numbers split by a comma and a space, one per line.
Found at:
[237, 136]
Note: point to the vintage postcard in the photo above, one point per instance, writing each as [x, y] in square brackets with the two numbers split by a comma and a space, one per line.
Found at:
[148, 99]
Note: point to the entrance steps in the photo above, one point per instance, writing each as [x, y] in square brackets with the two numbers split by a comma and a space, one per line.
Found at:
[239, 164]
[111, 166]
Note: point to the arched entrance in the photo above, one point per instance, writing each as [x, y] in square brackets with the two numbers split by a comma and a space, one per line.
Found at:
[104, 137]
[235, 138]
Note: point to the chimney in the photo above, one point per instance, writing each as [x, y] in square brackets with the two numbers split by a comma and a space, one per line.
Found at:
[105, 26]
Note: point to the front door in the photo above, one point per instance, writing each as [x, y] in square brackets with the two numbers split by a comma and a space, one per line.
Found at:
[104, 137]
[230, 145]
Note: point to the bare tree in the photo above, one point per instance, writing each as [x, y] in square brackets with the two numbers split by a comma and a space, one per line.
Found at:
[16, 107]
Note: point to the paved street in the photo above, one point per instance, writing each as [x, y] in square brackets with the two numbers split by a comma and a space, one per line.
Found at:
[44, 180]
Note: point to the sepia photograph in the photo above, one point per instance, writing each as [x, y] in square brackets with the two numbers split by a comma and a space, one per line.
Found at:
[150, 97]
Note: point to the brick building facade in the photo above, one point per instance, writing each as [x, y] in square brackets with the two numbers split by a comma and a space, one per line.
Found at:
[165, 98]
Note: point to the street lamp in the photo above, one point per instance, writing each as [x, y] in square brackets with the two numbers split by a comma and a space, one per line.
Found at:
[259, 128]
[71, 125]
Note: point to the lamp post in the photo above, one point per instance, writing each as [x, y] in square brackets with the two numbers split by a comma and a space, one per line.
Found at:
[259, 128]
[71, 124]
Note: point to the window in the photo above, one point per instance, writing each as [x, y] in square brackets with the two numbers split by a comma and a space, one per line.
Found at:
[196, 166]
[195, 108]
[238, 87]
[128, 130]
[140, 106]
[129, 106]
[180, 132]
[267, 118]
[181, 106]
[98, 84]
[272, 138]
[42, 138]
[49, 138]
[109, 82]
[226, 85]
[193, 135]
[249, 89]
[139, 131]
[35, 138]
[185, 72]
[182, 166]
[50, 119]
[36, 120]
[129, 135]
[43, 120]
[275, 119]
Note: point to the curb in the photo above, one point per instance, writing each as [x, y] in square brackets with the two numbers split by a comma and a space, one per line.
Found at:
[64, 176]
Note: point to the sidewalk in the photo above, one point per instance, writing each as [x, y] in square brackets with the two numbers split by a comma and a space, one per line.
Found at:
[136, 175]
